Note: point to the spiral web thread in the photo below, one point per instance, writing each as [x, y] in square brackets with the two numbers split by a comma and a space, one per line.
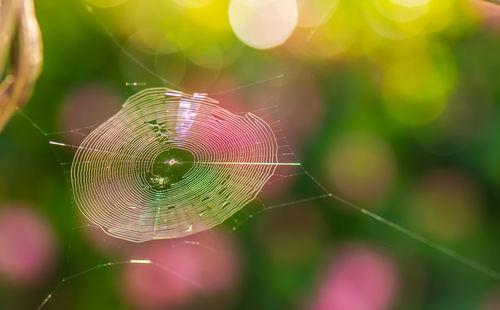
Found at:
[113, 175]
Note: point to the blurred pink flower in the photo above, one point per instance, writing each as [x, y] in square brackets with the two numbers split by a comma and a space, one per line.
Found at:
[87, 105]
[360, 278]
[27, 246]
[203, 264]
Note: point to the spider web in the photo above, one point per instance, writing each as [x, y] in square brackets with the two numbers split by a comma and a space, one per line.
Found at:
[269, 111]
[170, 164]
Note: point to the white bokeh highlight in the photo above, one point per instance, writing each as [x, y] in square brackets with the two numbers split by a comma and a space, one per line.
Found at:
[263, 24]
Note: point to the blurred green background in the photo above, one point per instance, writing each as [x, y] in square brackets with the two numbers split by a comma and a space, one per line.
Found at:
[391, 104]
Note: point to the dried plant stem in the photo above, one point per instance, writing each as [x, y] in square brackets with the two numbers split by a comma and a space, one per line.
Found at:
[18, 17]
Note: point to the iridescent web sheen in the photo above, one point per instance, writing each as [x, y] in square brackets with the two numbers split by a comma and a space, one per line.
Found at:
[170, 164]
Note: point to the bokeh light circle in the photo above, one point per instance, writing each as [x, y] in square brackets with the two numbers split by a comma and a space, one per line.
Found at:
[416, 86]
[362, 167]
[361, 277]
[207, 265]
[263, 24]
[86, 106]
[169, 164]
[27, 246]
[445, 204]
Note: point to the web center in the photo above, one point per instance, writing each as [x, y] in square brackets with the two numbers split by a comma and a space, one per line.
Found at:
[171, 162]
[169, 167]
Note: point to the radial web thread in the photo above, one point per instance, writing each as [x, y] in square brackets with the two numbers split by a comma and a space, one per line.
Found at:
[170, 164]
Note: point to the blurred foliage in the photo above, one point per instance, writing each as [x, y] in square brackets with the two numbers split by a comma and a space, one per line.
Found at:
[417, 79]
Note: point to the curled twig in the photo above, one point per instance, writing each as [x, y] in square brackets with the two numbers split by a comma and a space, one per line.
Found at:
[21, 38]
